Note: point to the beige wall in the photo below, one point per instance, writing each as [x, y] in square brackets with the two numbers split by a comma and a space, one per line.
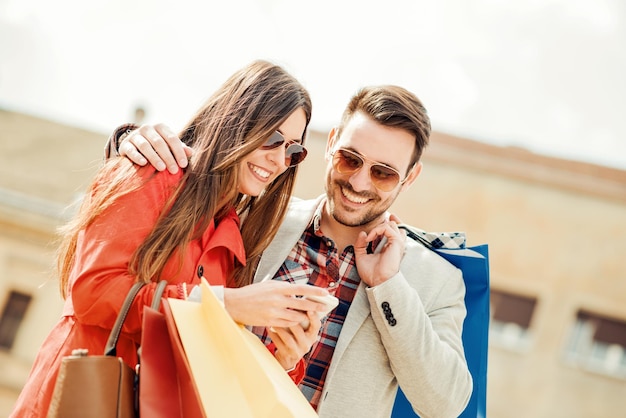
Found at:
[555, 230]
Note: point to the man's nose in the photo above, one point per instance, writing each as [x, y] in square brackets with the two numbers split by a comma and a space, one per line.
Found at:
[361, 180]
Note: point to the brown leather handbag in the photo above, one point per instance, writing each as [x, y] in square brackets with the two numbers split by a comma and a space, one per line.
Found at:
[99, 386]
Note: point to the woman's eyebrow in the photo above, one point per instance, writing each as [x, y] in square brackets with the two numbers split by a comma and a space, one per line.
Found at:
[287, 139]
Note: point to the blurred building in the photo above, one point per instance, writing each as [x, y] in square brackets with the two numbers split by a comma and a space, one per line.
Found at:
[556, 231]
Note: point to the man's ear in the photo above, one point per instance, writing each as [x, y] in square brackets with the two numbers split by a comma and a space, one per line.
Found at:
[330, 143]
[413, 174]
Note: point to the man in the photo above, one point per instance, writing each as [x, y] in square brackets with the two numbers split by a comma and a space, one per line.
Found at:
[401, 310]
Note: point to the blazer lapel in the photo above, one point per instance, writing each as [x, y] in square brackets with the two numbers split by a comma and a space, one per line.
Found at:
[298, 216]
[357, 314]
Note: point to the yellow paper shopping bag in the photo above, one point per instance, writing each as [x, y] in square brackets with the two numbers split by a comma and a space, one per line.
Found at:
[235, 374]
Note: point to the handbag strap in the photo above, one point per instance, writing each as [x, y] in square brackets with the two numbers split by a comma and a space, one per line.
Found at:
[158, 294]
[417, 237]
[111, 347]
[436, 240]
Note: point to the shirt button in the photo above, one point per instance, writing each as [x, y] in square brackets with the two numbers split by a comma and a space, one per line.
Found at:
[332, 284]
[200, 271]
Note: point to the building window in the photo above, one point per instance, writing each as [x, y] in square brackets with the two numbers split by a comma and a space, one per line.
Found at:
[12, 316]
[511, 315]
[598, 343]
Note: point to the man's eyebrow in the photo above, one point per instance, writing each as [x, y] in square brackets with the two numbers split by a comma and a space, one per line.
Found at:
[373, 161]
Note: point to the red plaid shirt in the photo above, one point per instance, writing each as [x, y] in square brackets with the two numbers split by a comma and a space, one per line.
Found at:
[315, 260]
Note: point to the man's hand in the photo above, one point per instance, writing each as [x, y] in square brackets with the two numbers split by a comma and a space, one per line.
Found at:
[158, 145]
[384, 263]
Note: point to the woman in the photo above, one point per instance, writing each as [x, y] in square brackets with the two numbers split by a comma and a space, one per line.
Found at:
[138, 224]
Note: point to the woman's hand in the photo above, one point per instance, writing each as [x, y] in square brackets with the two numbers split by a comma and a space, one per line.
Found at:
[272, 303]
[294, 342]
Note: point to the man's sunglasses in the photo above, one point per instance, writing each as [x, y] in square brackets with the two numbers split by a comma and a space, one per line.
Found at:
[383, 177]
[294, 152]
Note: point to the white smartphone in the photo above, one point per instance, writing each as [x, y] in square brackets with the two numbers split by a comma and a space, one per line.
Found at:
[330, 302]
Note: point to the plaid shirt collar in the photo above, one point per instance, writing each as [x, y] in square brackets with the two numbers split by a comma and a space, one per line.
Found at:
[317, 218]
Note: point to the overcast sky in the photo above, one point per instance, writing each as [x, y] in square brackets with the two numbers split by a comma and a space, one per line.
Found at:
[547, 75]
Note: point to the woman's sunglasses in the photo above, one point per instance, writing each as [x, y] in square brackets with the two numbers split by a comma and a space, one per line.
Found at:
[383, 177]
[294, 152]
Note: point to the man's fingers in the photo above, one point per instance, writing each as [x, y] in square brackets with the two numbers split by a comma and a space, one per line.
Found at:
[395, 218]
[151, 143]
[390, 229]
[146, 146]
[166, 133]
[360, 245]
[174, 146]
[127, 149]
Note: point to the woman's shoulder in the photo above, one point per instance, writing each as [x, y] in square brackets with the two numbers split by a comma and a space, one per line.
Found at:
[156, 185]
[151, 178]
[148, 172]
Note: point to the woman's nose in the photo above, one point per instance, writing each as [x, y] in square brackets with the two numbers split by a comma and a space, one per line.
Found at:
[277, 156]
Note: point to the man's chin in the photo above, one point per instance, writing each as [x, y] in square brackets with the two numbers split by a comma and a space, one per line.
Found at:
[349, 215]
[353, 220]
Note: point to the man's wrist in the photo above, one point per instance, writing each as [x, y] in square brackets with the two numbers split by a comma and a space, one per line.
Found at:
[112, 146]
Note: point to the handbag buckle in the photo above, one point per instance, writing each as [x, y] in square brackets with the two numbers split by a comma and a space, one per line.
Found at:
[80, 352]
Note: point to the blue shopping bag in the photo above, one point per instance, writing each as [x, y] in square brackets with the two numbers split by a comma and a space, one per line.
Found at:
[474, 263]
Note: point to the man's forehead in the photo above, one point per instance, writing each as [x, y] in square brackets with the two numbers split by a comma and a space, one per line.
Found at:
[388, 145]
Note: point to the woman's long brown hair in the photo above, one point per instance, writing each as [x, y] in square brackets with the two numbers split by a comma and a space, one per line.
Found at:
[235, 121]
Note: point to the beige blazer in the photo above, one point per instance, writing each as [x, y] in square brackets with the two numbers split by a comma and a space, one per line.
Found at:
[422, 351]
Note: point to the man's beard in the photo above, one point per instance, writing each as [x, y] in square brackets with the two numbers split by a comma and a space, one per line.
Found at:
[347, 218]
